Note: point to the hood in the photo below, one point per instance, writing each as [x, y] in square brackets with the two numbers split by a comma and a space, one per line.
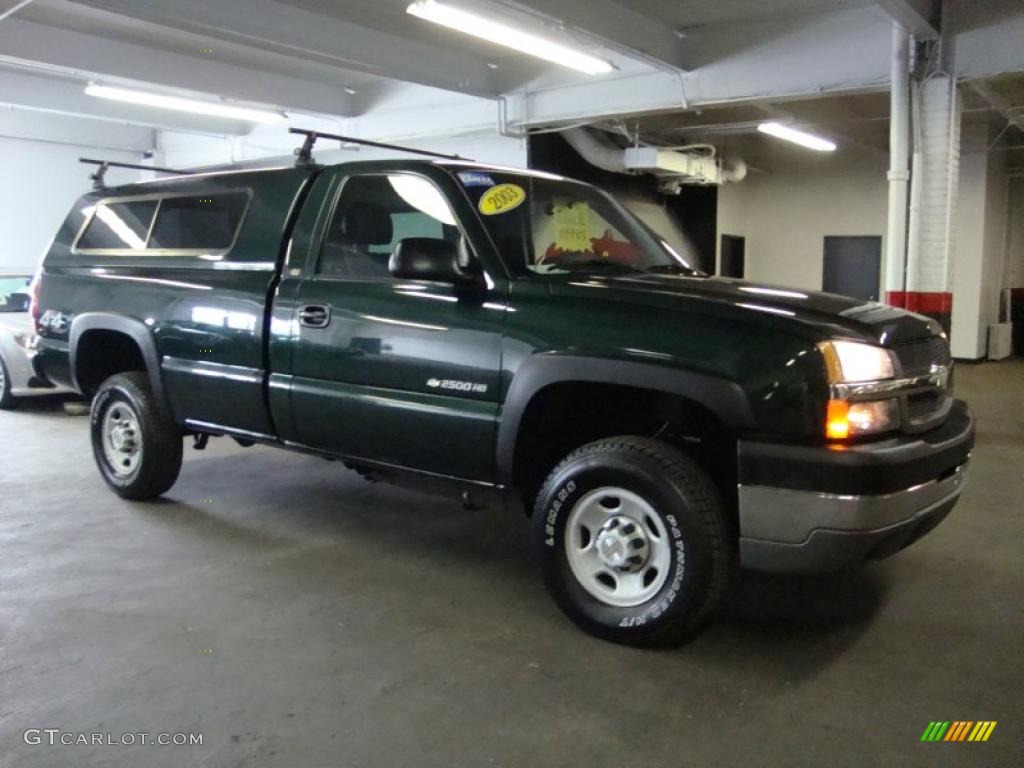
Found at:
[813, 314]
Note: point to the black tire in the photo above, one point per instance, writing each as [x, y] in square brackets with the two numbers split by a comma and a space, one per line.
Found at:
[7, 400]
[691, 513]
[159, 462]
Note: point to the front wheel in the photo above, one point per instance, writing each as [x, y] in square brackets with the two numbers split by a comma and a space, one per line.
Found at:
[137, 447]
[633, 542]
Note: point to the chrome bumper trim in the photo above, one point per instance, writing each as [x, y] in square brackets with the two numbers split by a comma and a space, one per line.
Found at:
[790, 516]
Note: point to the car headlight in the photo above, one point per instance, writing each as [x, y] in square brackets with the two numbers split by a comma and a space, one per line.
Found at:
[852, 361]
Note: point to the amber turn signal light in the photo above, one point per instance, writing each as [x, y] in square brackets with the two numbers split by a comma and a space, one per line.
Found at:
[837, 422]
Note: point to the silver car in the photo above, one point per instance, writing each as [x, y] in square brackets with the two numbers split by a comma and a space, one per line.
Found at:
[17, 344]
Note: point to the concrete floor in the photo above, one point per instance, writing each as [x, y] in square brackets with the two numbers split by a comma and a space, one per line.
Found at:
[297, 616]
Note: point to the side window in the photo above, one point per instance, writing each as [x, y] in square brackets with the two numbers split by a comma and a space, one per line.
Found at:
[119, 225]
[198, 223]
[373, 214]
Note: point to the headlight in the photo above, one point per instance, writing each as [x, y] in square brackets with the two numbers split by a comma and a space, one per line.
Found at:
[870, 417]
[851, 361]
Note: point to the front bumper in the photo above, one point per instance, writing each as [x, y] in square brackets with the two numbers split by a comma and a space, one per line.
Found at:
[805, 509]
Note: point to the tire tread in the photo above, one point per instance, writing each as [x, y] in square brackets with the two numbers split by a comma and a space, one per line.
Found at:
[694, 484]
[162, 460]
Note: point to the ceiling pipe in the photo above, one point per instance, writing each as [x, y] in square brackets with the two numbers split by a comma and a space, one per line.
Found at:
[597, 150]
[675, 168]
[735, 171]
[899, 171]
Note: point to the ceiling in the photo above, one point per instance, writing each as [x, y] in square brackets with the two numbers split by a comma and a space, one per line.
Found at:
[372, 44]
[107, 25]
[857, 122]
[685, 70]
[692, 14]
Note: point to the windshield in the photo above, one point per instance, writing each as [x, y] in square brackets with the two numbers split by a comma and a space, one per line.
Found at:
[546, 225]
[14, 295]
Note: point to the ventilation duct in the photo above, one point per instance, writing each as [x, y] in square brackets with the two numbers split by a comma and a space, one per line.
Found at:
[597, 150]
[676, 168]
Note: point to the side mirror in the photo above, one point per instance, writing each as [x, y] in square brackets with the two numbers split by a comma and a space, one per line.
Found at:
[425, 258]
[18, 302]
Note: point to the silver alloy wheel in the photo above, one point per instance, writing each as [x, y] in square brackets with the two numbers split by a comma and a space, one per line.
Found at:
[3, 382]
[618, 547]
[122, 439]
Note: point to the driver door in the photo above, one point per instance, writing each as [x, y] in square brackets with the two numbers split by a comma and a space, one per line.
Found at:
[400, 372]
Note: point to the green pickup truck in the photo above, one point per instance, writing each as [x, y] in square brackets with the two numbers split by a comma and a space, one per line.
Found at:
[510, 337]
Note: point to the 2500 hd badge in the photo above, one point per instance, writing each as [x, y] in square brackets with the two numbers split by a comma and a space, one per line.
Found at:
[458, 386]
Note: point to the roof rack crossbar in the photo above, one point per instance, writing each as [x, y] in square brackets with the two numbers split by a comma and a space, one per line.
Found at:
[304, 154]
[105, 165]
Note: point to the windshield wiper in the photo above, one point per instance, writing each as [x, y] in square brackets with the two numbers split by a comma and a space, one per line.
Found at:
[600, 263]
[657, 268]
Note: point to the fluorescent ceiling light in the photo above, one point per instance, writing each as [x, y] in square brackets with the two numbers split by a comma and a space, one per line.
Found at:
[809, 140]
[502, 34]
[195, 106]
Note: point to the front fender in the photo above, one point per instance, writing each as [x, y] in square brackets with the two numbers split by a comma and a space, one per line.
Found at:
[725, 399]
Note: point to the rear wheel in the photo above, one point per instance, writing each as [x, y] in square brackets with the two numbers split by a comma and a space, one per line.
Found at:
[633, 541]
[137, 446]
[7, 400]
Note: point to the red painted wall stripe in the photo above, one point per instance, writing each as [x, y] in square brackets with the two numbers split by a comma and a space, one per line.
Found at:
[921, 301]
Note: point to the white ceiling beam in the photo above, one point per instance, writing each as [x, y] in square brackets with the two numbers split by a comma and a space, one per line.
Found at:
[396, 121]
[91, 55]
[11, 7]
[918, 17]
[838, 53]
[32, 126]
[828, 53]
[987, 46]
[284, 29]
[998, 103]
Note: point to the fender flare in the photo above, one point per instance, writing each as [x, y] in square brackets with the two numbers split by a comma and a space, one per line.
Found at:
[724, 398]
[135, 329]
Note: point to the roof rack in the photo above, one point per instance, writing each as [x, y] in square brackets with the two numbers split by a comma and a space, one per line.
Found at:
[105, 165]
[304, 154]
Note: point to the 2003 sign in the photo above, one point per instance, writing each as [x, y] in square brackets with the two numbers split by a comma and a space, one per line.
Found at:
[501, 199]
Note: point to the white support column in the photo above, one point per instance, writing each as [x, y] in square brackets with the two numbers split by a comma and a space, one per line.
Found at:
[981, 243]
[899, 173]
[929, 280]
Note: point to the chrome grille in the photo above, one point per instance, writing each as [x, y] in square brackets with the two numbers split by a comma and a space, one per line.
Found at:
[921, 358]
[923, 407]
[918, 358]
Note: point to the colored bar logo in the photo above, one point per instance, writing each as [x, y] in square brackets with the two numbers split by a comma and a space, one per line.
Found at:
[958, 730]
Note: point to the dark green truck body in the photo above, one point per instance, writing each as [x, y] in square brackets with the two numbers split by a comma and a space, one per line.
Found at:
[484, 386]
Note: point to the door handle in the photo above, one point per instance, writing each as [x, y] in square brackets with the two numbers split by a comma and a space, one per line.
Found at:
[315, 316]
